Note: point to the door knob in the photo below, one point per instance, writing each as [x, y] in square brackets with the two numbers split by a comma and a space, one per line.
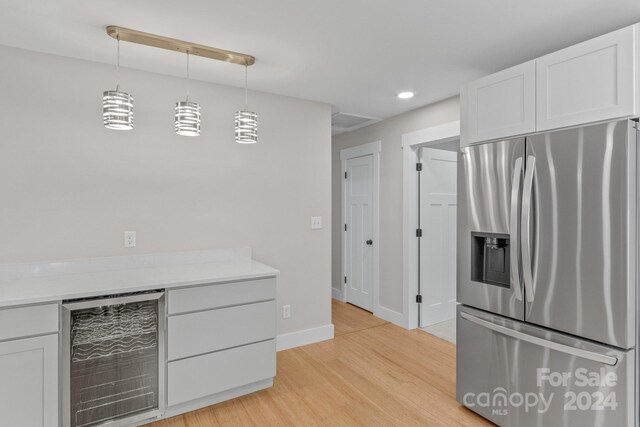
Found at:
[369, 242]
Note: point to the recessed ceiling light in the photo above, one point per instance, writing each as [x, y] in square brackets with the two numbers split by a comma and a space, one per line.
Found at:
[405, 95]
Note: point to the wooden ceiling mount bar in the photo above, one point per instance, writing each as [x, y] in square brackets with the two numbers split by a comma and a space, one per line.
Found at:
[134, 36]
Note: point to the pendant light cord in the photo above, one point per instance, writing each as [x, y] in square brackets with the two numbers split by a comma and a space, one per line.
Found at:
[118, 65]
[187, 75]
[246, 95]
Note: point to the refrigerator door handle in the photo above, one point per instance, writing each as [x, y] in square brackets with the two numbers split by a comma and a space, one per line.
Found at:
[527, 189]
[513, 226]
[584, 354]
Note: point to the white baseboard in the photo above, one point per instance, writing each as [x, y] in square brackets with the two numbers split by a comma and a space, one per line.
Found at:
[304, 337]
[337, 294]
[389, 315]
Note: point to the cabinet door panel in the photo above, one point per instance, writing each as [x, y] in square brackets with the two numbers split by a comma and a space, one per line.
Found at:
[500, 105]
[29, 385]
[588, 82]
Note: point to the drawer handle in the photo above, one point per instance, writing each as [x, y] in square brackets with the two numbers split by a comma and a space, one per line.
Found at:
[585, 354]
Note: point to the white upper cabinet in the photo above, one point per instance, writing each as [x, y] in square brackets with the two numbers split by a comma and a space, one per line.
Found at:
[588, 82]
[594, 81]
[499, 105]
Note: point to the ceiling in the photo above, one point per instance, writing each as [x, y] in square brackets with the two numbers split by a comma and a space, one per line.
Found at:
[353, 54]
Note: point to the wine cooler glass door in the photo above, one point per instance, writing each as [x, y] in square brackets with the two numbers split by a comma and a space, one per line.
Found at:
[113, 349]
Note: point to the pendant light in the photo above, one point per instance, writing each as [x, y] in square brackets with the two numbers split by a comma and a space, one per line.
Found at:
[246, 121]
[187, 113]
[117, 106]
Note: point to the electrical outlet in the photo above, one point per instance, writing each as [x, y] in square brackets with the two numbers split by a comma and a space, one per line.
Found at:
[286, 311]
[316, 222]
[129, 239]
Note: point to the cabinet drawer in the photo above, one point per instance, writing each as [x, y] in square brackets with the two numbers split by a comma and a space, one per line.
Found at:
[589, 82]
[26, 321]
[205, 331]
[220, 295]
[201, 376]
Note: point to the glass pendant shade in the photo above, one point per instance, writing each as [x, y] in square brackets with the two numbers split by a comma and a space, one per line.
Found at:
[187, 113]
[246, 121]
[117, 106]
[187, 118]
[246, 127]
[117, 110]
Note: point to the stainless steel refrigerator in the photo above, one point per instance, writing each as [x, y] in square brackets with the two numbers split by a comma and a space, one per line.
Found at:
[546, 275]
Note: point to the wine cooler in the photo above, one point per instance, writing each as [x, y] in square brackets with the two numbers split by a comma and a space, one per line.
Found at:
[113, 358]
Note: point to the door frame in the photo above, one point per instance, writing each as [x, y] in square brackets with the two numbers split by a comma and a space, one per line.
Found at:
[411, 143]
[372, 148]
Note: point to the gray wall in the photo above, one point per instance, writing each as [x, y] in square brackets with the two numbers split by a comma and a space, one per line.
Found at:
[390, 132]
[69, 187]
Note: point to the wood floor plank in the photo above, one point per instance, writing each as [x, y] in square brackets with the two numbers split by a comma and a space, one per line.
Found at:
[418, 396]
[296, 409]
[201, 418]
[372, 373]
[232, 413]
[348, 318]
[263, 410]
[381, 398]
[429, 359]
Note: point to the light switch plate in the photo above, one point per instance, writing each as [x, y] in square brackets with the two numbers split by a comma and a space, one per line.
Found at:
[129, 239]
[316, 222]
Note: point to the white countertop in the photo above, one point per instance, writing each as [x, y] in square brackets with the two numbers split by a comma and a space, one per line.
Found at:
[32, 283]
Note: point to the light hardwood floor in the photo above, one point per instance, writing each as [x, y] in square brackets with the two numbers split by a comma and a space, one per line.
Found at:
[372, 374]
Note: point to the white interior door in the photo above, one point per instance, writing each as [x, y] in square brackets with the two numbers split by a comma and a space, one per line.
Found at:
[438, 242]
[359, 233]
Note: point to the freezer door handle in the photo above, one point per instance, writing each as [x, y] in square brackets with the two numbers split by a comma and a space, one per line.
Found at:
[513, 227]
[527, 190]
[584, 354]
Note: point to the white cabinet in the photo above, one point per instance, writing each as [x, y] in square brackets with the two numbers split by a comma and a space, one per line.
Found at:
[499, 105]
[29, 382]
[593, 81]
[220, 338]
[588, 82]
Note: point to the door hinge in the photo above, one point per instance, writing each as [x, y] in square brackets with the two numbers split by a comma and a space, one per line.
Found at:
[419, 299]
[345, 279]
[418, 167]
[345, 175]
[345, 227]
[419, 232]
